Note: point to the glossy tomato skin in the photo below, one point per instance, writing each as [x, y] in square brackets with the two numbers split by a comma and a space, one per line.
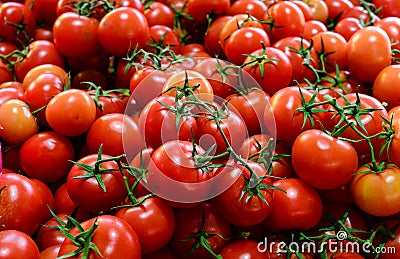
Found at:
[86, 193]
[189, 221]
[82, 32]
[299, 208]
[364, 64]
[332, 164]
[113, 237]
[199, 9]
[243, 209]
[256, 9]
[157, 223]
[211, 38]
[383, 89]
[125, 25]
[17, 244]
[48, 236]
[50, 252]
[385, 199]
[347, 27]
[47, 198]
[17, 190]
[159, 13]
[166, 253]
[243, 249]
[312, 28]
[391, 25]
[79, 112]
[46, 156]
[389, 7]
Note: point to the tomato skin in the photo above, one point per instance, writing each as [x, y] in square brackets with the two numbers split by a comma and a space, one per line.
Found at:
[319, 9]
[114, 238]
[16, 213]
[16, 244]
[389, 7]
[125, 25]
[383, 89]
[188, 222]
[243, 249]
[256, 9]
[159, 14]
[164, 35]
[299, 208]
[50, 252]
[86, 193]
[391, 25]
[47, 198]
[79, 112]
[157, 223]
[45, 156]
[16, 122]
[11, 93]
[211, 38]
[333, 164]
[363, 64]
[48, 236]
[166, 253]
[82, 32]
[199, 9]
[336, 8]
[312, 28]
[44, 69]
[385, 200]
[16, 13]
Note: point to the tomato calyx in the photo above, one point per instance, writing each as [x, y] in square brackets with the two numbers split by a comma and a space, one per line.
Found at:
[20, 28]
[14, 57]
[91, 8]
[372, 13]
[201, 238]
[259, 59]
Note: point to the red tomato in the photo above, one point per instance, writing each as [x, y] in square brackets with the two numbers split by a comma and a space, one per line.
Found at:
[391, 25]
[199, 9]
[50, 252]
[71, 113]
[383, 89]
[157, 222]
[166, 253]
[385, 200]
[312, 28]
[125, 25]
[88, 193]
[46, 156]
[44, 69]
[216, 230]
[368, 52]
[211, 37]
[270, 67]
[240, 204]
[336, 8]
[243, 249]
[113, 237]
[332, 164]
[48, 236]
[17, 213]
[47, 198]
[319, 9]
[161, 36]
[9, 93]
[16, 244]
[45, 11]
[298, 206]
[287, 20]
[389, 7]
[347, 27]
[79, 81]
[256, 9]
[158, 13]
[16, 122]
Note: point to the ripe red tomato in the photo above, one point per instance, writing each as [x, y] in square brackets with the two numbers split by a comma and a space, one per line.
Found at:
[44, 69]
[391, 25]
[157, 222]
[71, 113]
[125, 25]
[16, 244]
[88, 193]
[161, 36]
[312, 28]
[17, 213]
[336, 8]
[332, 164]
[389, 7]
[47, 198]
[383, 89]
[347, 27]
[158, 13]
[368, 52]
[48, 236]
[45, 156]
[113, 237]
[8, 93]
[199, 9]
[211, 38]
[298, 206]
[256, 9]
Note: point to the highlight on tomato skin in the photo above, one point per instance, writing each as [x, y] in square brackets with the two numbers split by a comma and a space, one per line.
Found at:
[199, 129]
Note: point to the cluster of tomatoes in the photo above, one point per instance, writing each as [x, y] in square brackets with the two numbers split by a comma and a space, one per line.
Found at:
[199, 128]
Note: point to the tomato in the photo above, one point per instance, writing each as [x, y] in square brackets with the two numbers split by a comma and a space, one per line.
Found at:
[331, 42]
[113, 237]
[16, 122]
[16, 244]
[158, 13]
[298, 206]
[243, 249]
[48, 236]
[189, 222]
[107, 103]
[368, 52]
[276, 70]
[319, 9]
[157, 123]
[336, 8]
[383, 89]
[293, 47]
[100, 62]
[71, 113]
[17, 213]
[166, 253]
[239, 205]
[384, 201]
[306, 10]
[347, 27]
[87, 193]
[50, 252]
[174, 160]
[211, 37]
[40, 52]
[11, 93]
[287, 20]
[157, 222]
[256, 9]
[312, 28]
[45, 11]
[40, 91]
[333, 164]
[47, 198]
[44, 69]
[244, 41]
[391, 25]
[45, 156]
[79, 81]
[124, 25]
[389, 7]
[199, 9]
[13, 15]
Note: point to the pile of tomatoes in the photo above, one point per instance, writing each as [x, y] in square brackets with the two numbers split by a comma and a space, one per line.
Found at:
[199, 128]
